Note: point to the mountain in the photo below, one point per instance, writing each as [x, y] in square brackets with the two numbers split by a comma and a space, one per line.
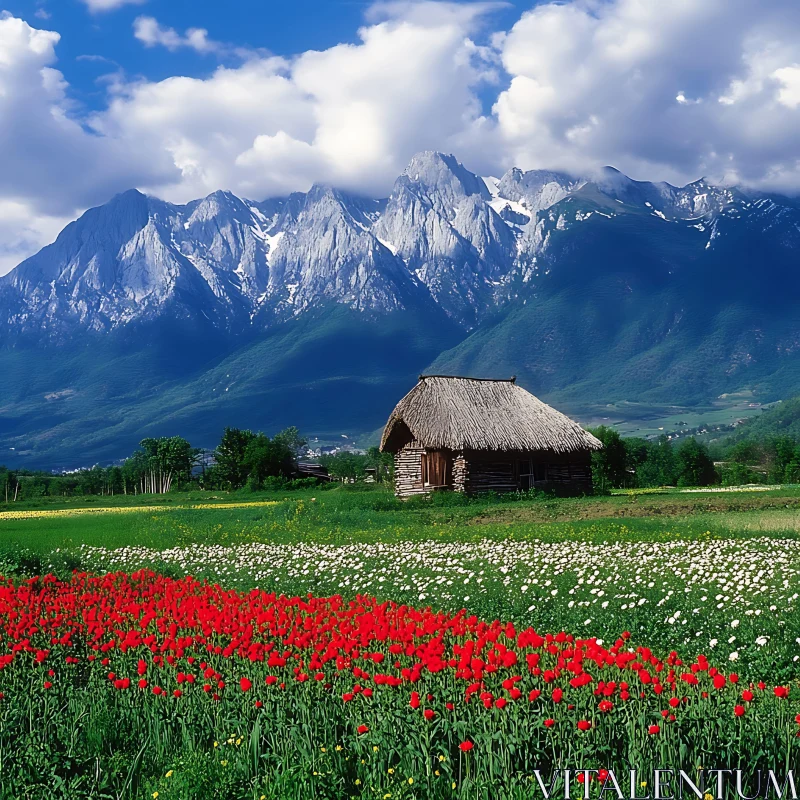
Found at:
[321, 308]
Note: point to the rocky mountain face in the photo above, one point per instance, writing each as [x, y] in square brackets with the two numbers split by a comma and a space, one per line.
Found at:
[145, 316]
[444, 239]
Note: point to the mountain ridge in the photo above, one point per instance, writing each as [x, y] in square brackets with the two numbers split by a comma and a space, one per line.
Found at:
[594, 290]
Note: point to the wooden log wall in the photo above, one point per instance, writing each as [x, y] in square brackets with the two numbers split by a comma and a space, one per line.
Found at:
[408, 470]
[460, 473]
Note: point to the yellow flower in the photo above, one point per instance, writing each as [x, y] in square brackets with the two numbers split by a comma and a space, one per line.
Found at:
[238, 741]
[155, 795]
[436, 773]
[358, 781]
[374, 748]
[224, 763]
[216, 744]
[387, 796]
[643, 784]
[442, 758]
[454, 785]
[390, 770]
[410, 781]
[169, 774]
[708, 796]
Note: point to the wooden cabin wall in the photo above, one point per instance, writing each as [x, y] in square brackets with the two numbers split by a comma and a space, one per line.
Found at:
[408, 470]
[494, 472]
[474, 472]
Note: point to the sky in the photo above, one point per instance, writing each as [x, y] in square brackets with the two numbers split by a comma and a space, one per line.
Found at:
[180, 98]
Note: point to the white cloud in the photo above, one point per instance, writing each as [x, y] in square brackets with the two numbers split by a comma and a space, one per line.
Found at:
[789, 93]
[23, 231]
[151, 33]
[663, 91]
[660, 90]
[110, 5]
[351, 115]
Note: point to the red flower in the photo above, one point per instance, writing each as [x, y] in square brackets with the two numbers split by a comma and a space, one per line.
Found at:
[738, 710]
[48, 685]
[177, 693]
[557, 695]
[466, 746]
[362, 729]
[142, 684]
[501, 702]
[747, 695]
[605, 705]
[429, 713]
[245, 684]
[548, 723]
[781, 691]
[584, 725]
[653, 730]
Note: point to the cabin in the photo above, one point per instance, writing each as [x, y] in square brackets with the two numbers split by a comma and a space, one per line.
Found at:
[477, 435]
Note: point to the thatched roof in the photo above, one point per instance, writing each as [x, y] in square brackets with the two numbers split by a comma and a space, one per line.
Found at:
[473, 414]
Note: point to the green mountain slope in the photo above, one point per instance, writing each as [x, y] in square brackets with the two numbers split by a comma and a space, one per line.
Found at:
[333, 372]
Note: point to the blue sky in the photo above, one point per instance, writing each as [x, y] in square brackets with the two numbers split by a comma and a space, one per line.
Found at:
[282, 28]
[182, 98]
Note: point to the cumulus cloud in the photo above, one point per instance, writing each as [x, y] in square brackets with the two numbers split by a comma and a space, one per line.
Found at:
[151, 33]
[351, 115]
[110, 5]
[663, 91]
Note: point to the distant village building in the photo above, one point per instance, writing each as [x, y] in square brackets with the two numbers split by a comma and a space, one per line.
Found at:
[474, 435]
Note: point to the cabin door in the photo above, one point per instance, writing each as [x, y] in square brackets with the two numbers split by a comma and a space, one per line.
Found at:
[436, 469]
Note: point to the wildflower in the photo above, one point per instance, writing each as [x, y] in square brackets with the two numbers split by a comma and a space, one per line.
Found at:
[362, 729]
[738, 710]
[584, 725]
[653, 730]
[466, 746]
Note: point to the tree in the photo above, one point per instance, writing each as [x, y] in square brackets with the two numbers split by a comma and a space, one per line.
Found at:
[231, 470]
[293, 440]
[695, 467]
[382, 463]
[161, 462]
[345, 465]
[265, 457]
[636, 453]
[659, 468]
[608, 464]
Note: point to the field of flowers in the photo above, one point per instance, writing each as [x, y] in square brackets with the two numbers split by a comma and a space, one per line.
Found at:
[145, 686]
[349, 646]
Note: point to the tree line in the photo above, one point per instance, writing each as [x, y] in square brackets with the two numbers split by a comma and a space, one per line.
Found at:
[243, 459]
[642, 463]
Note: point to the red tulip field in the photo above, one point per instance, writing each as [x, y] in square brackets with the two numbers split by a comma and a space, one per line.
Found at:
[145, 686]
[344, 645]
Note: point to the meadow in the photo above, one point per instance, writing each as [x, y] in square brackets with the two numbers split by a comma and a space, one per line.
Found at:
[688, 601]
